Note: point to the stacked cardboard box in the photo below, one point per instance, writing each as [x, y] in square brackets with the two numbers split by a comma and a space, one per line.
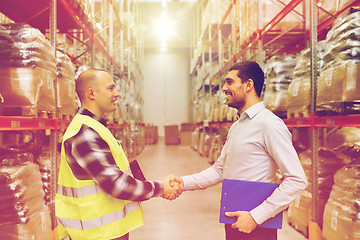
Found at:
[172, 135]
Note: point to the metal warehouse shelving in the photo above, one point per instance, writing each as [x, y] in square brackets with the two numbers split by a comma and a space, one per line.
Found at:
[256, 47]
[44, 15]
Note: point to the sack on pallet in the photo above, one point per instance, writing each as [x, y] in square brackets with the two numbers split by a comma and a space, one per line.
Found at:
[345, 143]
[279, 74]
[340, 83]
[342, 211]
[28, 70]
[299, 92]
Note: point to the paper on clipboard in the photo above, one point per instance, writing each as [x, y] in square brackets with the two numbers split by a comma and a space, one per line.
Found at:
[239, 195]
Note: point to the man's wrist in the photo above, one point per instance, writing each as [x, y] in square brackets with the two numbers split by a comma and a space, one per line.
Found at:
[159, 188]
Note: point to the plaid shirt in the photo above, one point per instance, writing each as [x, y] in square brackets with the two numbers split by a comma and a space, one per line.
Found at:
[91, 158]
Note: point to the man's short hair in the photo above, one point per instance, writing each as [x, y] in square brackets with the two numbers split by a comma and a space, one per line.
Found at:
[250, 70]
[85, 80]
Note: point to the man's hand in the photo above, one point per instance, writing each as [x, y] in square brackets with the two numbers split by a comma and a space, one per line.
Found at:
[245, 222]
[171, 190]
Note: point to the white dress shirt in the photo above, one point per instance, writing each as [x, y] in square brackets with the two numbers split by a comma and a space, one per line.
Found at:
[257, 145]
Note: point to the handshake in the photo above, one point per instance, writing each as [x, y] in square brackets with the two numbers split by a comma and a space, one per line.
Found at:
[173, 187]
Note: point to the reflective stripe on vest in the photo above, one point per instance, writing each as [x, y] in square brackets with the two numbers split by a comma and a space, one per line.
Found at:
[82, 191]
[100, 221]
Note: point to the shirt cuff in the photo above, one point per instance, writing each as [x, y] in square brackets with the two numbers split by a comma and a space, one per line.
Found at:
[159, 188]
[259, 214]
[187, 183]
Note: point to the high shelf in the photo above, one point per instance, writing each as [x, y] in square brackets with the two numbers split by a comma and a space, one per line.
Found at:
[103, 34]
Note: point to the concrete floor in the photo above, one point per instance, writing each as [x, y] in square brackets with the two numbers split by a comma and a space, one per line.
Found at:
[194, 215]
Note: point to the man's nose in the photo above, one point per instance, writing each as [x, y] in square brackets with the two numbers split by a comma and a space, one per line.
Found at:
[117, 93]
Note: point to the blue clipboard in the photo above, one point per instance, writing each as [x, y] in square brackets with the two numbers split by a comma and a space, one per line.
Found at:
[239, 195]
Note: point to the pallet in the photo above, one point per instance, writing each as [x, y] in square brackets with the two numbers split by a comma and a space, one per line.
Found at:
[64, 115]
[27, 111]
[304, 232]
[298, 113]
[338, 108]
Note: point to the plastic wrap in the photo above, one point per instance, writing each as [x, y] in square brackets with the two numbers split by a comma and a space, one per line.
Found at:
[346, 143]
[299, 212]
[27, 71]
[22, 203]
[24, 46]
[338, 84]
[342, 211]
[327, 166]
[195, 139]
[343, 39]
[65, 85]
[340, 80]
[278, 77]
[298, 96]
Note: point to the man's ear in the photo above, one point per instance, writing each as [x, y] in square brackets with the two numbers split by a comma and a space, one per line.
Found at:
[90, 93]
[249, 85]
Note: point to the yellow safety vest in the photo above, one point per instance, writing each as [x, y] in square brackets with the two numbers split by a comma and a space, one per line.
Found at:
[83, 209]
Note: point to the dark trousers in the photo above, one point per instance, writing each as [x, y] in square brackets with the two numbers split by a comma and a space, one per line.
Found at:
[257, 234]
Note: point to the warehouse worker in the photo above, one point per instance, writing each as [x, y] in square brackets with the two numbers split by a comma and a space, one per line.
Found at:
[258, 143]
[97, 196]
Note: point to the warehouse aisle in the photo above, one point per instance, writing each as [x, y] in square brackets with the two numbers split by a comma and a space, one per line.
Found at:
[194, 215]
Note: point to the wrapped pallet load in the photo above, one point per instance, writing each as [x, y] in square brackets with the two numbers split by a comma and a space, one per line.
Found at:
[300, 210]
[24, 214]
[342, 211]
[299, 92]
[278, 77]
[65, 86]
[345, 143]
[339, 82]
[27, 72]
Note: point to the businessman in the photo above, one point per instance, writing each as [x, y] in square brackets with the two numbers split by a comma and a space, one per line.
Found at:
[258, 144]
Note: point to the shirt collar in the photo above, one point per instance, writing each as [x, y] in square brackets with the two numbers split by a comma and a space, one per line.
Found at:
[253, 110]
[86, 112]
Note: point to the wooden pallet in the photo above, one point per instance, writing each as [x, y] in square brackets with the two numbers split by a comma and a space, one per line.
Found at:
[26, 111]
[64, 115]
[338, 108]
[304, 232]
[298, 113]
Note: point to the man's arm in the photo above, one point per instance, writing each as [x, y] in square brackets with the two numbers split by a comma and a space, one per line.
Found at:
[279, 145]
[92, 154]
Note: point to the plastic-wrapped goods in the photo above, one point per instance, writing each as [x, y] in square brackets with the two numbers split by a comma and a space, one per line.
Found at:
[279, 75]
[299, 212]
[342, 211]
[299, 92]
[327, 166]
[339, 81]
[65, 85]
[215, 148]
[24, 214]
[27, 72]
[345, 143]
[338, 88]
[195, 139]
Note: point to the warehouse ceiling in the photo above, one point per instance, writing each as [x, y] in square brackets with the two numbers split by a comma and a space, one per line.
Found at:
[167, 27]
